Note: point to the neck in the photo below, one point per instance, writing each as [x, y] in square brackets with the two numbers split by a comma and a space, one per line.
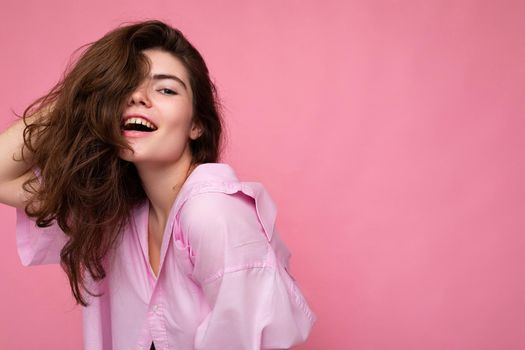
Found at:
[162, 183]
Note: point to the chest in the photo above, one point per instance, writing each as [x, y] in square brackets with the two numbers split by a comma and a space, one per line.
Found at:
[155, 233]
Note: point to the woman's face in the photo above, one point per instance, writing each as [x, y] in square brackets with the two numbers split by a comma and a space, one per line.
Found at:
[165, 100]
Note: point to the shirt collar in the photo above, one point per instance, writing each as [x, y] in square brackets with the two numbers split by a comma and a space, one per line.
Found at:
[205, 172]
[204, 177]
[219, 175]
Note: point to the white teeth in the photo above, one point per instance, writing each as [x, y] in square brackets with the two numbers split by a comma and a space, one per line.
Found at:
[138, 120]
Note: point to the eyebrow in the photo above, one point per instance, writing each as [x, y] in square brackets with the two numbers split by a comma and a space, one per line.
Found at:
[168, 76]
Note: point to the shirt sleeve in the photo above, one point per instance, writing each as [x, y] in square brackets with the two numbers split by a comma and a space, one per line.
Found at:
[37, 245]
[254, 302]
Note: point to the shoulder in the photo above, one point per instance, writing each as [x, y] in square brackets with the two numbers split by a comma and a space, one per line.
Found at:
[239, 212]
[216, 207]
[239, 205]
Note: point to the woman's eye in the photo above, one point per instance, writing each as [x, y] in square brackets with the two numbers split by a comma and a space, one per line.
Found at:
[170, 92]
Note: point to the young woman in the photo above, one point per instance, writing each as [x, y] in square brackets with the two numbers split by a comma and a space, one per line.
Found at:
[116, 177]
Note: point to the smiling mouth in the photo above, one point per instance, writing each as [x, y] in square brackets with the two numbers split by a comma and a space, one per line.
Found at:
[137, 127]
[138, 124]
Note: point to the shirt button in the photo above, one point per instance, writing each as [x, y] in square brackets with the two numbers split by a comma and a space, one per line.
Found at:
[156, 309]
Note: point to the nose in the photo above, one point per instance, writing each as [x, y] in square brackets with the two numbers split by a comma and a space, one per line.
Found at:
[139, 96]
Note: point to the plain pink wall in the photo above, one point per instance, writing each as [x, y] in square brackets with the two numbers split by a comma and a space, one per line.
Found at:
[389, 133]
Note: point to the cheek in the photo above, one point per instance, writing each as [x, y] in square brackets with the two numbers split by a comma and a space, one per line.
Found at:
[179, 127]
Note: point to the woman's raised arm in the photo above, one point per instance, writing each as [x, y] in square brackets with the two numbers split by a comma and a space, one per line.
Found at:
[14, 173]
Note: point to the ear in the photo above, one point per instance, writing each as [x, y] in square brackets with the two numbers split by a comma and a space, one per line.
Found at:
[196, 130]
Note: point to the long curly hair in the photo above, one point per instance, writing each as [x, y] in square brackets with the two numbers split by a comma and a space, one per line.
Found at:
[76, 140]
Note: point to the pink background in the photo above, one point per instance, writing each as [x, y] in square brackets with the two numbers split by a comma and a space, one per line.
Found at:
[389, 133]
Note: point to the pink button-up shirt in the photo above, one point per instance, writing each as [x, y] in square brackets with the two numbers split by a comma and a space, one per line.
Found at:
[224, 280]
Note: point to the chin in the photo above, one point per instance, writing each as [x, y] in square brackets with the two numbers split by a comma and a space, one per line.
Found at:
[126, 155]
[137, 158]
[132, 157]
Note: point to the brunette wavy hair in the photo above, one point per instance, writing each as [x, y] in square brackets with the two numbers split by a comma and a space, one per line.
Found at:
[76, 139]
